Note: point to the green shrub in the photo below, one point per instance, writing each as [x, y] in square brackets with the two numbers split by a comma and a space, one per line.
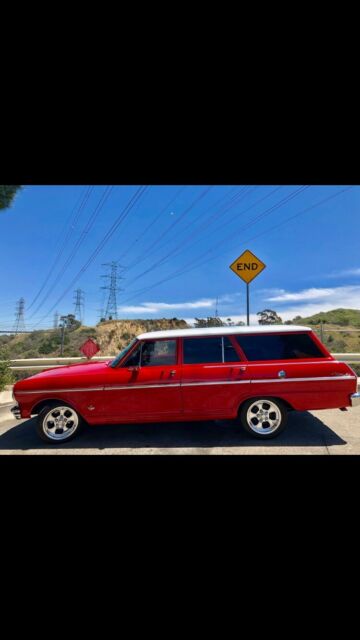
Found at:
[6, 376]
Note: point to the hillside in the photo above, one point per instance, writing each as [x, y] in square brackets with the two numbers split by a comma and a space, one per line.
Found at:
[111, 336]
[340, 317]
[341, 329]
[339, 335]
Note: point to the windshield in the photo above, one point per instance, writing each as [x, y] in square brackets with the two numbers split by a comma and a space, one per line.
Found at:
[122, 353]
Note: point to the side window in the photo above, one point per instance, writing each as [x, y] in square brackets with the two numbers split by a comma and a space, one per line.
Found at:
[230, 354]
[158, 352]
[202, 350]
[134, 359]
[279, 347]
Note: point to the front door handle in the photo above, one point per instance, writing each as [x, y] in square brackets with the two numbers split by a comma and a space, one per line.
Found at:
[173, 373]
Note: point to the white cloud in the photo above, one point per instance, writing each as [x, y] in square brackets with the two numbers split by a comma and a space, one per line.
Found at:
[306, 294]
[316, 300]
[155, 307]
[345, 272]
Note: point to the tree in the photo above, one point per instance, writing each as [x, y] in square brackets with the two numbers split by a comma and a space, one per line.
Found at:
[268, 316]
[7, 194]
[200, 323]
[70, 322]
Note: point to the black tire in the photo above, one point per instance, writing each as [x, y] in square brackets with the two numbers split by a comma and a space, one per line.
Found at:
[276, 411]
[59, 433]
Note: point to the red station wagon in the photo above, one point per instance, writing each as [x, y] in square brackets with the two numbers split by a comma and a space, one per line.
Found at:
[252, 374]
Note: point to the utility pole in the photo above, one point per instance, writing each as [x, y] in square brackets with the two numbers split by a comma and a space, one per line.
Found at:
[19, 316]
[63, 325]
[113, 288]
[79, 301]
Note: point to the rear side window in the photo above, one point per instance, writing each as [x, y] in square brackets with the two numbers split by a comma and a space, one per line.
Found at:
[214, 349]
[201, 350]
[279, 347]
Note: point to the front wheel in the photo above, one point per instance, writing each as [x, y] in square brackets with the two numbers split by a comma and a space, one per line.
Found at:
[58, 423]
[263, 418]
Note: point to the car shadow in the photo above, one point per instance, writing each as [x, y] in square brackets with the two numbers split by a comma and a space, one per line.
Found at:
[303, 430]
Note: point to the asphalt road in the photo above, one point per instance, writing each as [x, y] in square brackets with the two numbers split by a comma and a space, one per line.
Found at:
[318, 432]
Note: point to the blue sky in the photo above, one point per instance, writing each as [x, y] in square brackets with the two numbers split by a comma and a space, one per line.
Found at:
[192, 232]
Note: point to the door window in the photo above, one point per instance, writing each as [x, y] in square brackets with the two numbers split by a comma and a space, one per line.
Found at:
[158, 353]
[214, 349]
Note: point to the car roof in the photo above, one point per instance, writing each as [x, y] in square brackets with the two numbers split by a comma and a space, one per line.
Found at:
[221, 331]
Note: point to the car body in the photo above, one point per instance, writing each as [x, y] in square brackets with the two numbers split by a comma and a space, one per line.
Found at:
[196, 374]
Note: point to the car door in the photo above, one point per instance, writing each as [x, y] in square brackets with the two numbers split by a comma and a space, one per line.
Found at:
[147, 385]
[211, 376]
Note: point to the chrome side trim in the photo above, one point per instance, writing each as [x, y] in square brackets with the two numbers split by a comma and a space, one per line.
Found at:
[144, 386]
[316, 379]
[214, 382]
[189, 384]
[59, 390]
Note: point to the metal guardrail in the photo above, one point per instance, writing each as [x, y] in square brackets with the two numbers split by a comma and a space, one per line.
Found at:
[39, 364]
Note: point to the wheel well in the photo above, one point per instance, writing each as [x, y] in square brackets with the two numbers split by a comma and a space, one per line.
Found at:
[44, 403]
[285, 402]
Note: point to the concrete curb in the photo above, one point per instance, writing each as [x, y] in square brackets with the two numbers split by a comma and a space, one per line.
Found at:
[5, 413]
[6, 395]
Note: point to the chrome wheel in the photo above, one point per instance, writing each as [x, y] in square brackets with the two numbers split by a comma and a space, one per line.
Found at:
[263, 417]
[60, 423]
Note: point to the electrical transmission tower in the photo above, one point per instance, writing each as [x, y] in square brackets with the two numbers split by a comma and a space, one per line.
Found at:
[113, 288]
[56, 320]
[79, 302]
[20, 316]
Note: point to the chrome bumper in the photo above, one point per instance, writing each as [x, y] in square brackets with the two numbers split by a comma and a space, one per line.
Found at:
[16, 411]
[355, 399]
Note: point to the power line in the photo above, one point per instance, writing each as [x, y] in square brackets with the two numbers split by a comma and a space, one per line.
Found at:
[230, 235]
[174, 224]
[114, 227]
[188, 268]
[105, 195]
[139, 259]
[77, 210]
[236, 199]
[153, 222]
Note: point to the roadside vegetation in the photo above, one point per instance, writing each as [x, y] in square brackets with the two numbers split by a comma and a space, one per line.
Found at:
[6, 376]
[337, 334]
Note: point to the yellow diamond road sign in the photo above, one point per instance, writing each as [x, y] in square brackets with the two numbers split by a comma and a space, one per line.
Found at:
[247, 266]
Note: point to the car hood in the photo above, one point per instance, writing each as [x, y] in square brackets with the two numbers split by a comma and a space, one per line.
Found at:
[81, 373]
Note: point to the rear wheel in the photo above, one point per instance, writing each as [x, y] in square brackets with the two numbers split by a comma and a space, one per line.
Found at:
[263, 418]
[58, 423]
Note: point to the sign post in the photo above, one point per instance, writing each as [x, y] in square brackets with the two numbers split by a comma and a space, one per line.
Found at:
[247, 267]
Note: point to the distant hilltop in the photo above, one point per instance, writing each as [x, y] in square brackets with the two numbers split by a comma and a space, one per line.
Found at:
[341, 317]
